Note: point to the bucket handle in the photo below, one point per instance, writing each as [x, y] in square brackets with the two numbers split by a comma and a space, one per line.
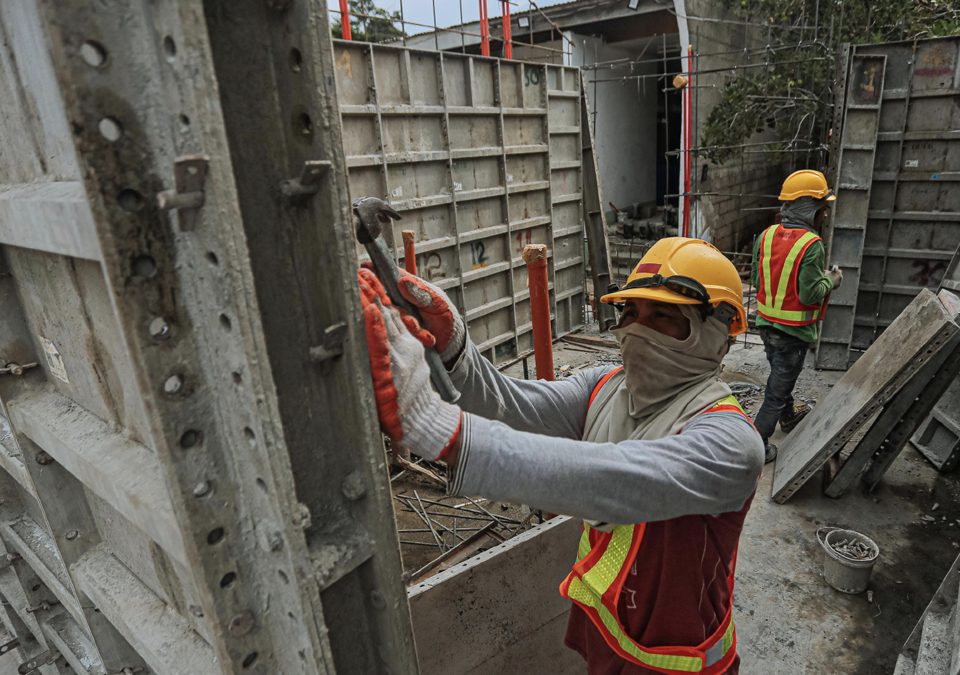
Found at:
[828, 529]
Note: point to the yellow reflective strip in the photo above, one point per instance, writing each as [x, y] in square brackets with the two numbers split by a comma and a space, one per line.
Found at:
[788, 314]
[787, 270]
[728, 638]
[729, 400]
[600, 577]
[582, 594]
[766, 243]
[584, 548]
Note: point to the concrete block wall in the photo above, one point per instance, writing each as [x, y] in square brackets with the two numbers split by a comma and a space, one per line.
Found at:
[710, 29]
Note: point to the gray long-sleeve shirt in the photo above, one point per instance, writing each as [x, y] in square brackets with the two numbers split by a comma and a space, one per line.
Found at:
[521, 442]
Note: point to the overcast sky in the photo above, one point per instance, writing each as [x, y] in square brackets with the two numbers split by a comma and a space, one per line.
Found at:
[448, 11]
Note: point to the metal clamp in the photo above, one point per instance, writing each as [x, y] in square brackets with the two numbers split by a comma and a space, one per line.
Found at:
[41, 659]
[189, 175]
[9, 646]
[16, 369]
[332, 345]
[308, 183]
[44, 606]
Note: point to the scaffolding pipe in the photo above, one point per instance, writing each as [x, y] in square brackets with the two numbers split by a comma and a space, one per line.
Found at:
[409, 252]
[507, 30]
[687, 141]
[484, 29]
[345, 31]
[535, 256]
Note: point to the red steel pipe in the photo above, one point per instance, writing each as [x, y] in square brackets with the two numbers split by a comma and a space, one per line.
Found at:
[409, 252]
[535, 256]
[345, 29]
[484, 29]
[507, 30]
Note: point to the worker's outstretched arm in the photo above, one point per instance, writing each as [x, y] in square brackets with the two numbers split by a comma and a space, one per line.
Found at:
[711, 467]
[812, 282]
[553, 408]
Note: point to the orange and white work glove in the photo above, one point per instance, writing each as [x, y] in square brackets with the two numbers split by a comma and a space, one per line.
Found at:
[437, 312]
[411, 413]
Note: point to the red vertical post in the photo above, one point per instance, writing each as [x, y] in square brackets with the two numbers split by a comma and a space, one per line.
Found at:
[409, 252]
[345, 29]
[484, 29]
[535, 256]
[507, 30]
[688, 125]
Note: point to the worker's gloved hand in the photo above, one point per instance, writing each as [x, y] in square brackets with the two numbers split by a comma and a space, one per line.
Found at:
[835, 276]
[439, 315]
[411, 413]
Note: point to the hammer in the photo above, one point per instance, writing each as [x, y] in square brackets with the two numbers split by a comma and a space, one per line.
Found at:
[372, 214]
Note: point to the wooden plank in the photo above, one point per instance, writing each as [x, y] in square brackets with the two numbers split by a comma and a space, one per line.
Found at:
[888, 419]
[496, 601]
[910, 341]
[119, 470]
[52, 217]
[161, 636]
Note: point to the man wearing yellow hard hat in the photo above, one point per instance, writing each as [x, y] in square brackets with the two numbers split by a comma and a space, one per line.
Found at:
[792, 286]
[655, 456]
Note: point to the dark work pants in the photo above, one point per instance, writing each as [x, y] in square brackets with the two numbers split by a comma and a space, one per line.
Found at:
[785, 354]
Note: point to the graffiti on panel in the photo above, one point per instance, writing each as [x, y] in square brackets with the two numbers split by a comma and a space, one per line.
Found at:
[478, 255]
[433, 269]
[929, 272]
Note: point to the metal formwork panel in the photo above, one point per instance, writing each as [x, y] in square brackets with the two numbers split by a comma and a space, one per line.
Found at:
[166, 505]
[482, 157]
[865, 79]
[912, 222]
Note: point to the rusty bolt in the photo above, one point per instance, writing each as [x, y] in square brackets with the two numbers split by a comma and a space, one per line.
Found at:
[43, 458]
[242, 623]
[72, 534]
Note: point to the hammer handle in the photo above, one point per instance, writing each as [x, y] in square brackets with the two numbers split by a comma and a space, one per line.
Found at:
[389, 275]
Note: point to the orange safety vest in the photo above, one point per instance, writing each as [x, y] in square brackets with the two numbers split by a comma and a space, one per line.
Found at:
[603, 562]
[778, 301]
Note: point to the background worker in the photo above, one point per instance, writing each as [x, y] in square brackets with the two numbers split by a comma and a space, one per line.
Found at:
[792, 285]
[656, 455]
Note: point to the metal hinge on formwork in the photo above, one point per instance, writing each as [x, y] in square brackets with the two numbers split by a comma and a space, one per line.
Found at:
[189, 175]
[42, 659]
[331, 345]
[307, 183]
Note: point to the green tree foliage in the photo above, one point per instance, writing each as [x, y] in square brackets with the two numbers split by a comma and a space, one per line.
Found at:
[370, 23]
[792, 94]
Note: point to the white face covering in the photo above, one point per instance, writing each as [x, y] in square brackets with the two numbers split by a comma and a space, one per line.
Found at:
[659, 367]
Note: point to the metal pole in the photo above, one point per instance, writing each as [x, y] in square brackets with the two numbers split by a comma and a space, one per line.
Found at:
[535, 256]
[436, 31]
[345, 29]
[403, 26]
[484, 29]
[409, 252]
[507, 30]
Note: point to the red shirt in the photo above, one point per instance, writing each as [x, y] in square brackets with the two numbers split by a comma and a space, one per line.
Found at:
[676, 593]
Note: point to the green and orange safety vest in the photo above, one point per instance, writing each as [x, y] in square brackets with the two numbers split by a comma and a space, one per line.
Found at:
[780, 253]
[594, 584]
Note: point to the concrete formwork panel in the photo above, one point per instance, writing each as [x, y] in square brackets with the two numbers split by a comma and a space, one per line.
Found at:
[175, 494]
[907, 224]
[482, 157]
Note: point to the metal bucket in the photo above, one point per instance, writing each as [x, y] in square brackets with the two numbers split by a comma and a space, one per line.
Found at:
[844, 573]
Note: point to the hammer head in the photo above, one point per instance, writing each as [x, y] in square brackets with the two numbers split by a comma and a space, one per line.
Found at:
[372, 213]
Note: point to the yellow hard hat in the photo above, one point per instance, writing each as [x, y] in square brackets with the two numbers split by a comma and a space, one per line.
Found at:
[684, 271]
[806, 183]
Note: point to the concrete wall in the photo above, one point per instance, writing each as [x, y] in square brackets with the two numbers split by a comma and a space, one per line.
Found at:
[626, 124]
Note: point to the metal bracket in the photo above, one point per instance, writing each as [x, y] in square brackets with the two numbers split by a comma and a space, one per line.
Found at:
[44, 606]
[16, 368]
[6, 561]
[9, 646]
[295, 190]
[332, 345]
[189, 175]
[41, 659]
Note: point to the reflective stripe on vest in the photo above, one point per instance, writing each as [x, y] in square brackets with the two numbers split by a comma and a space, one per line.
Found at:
[595, 582]
[784, 306]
